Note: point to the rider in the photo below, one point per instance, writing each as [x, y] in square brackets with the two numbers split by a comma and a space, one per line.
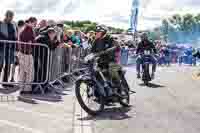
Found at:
[145, 44]
[101, 43]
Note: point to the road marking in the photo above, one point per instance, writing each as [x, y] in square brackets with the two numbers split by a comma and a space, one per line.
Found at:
[5, 122]
[81, 126]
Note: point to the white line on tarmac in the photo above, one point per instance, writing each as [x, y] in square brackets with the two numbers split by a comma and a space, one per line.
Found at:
[50, 103]
[5, 122]
[81, 126]
[32, 112]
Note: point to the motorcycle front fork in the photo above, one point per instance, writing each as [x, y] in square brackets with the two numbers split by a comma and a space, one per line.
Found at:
[146, 73]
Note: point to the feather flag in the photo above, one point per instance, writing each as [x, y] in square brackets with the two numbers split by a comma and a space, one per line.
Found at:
[134, 15]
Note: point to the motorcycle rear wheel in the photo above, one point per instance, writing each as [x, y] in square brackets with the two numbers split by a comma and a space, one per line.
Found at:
[125, 93]
[146, 75]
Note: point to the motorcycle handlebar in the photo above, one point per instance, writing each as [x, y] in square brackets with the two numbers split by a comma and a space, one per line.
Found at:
[105, 52]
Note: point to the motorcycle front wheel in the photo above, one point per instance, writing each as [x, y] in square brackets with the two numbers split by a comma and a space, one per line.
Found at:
[146, 75]
[90, 101]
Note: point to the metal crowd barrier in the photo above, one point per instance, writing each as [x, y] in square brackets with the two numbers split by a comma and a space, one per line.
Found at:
[36, 66]
[23, 64]
[60, 60]
[76, 54]
[127, 56]
[63, 63]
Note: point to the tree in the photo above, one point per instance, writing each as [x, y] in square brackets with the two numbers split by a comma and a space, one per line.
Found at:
[165, 29]
[91, 27]
[87, 26]
[176, 19]
[188, 22]
[181, 29]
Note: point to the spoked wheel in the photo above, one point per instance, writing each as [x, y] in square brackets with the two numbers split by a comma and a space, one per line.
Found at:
[87, 98]
[125, 101]
[146, 75]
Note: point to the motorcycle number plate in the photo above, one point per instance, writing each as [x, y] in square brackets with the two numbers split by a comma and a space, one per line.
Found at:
[147, 62]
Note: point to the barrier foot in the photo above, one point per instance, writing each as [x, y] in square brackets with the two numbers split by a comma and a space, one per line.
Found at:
[40, 88]
[26, 100]
[55, 90]
[61, 83]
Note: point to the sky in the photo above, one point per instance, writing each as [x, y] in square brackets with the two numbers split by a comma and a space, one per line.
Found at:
[110, 12]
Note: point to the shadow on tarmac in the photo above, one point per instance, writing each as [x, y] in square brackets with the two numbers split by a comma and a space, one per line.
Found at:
[152, 85]
[32, 99]
[9, 90]
[51, 94]
[114, 113]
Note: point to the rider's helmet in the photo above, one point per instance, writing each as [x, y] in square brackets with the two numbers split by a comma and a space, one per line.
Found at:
[101, 28]
[144, 36]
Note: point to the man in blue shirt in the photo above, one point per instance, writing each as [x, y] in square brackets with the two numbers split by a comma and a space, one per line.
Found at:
[8, 31]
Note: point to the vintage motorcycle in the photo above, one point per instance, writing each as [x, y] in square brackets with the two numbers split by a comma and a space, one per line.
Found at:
[146, 78]
[95, 89]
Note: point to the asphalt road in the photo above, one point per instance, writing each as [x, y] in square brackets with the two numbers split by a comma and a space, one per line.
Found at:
[170, 105]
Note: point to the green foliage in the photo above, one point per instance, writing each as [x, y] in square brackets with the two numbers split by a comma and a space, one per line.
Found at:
[87, 26]
[154, 35]
[185, 28]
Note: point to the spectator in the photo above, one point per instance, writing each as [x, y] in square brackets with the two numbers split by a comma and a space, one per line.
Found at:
[165, 55]
[181, 56]
[8, 31]
[43, 23]
[41, 27]
[41, 55]
[21, 25]
[25, 55]
[49, 38]
[51, 23]
[60, 32]
[20, 28]
[71, 39]
[33, 20]
[44, 30]
[77, 36]
[28, 34]
[91, 36]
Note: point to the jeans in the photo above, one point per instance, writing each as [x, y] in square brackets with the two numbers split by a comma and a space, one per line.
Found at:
[180, 60]
[7, 58]
[140, 59]
[167, 60]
